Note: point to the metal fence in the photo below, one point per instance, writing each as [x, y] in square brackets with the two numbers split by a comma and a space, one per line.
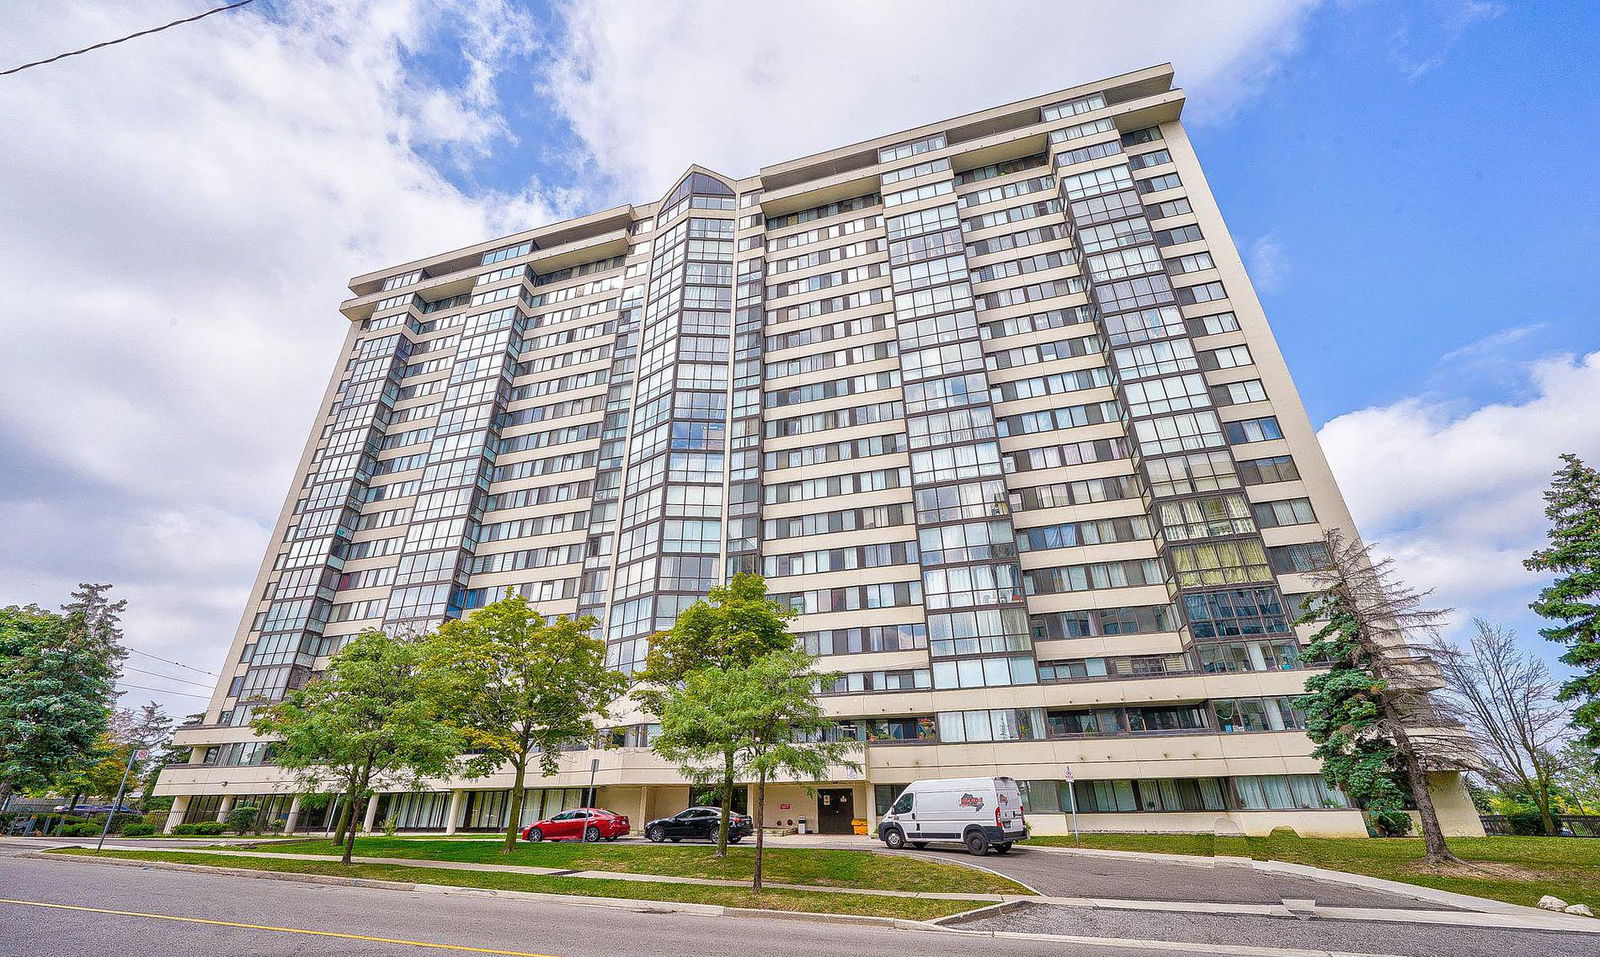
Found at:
[1567, 825]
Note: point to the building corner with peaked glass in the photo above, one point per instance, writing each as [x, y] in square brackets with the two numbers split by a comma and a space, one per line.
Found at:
[991, 403]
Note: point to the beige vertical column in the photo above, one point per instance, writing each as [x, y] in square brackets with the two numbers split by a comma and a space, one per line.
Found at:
[372, 814]
[638, 822]
[292, 822]
[454, 820]
[180, 807]
[225, 808]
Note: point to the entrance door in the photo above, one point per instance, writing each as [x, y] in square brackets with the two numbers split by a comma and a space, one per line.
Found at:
[835, 810]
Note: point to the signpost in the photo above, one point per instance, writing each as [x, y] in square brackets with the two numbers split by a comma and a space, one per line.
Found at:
[1072, 799]
[134, 754]
[594, 765]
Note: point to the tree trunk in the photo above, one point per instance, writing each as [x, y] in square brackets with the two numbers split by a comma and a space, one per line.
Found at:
[514, 806]
[350, 833]
[1546, 819]
[1438, 852]
[761, 816]
[346, 822]
[727, 803]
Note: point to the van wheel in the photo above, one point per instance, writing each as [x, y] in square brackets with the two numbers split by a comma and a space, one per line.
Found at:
[919, 845]
[977, 843]
[1002, 848]
[894, 839]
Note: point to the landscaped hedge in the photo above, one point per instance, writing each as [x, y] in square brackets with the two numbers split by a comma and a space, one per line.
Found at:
[138, 829]
[201, 827]
[85, 829]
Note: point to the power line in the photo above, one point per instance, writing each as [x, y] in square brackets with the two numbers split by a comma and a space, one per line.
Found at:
[157, 674]
[166, 662]
[131, 36]
[186, 694]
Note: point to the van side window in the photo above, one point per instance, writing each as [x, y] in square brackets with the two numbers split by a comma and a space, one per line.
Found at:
[903, 805]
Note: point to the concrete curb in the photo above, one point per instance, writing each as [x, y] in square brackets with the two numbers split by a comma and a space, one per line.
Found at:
[1467, 902]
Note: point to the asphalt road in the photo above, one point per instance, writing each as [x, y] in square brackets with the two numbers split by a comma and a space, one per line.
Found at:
[1362, 937]
[459, 924]
[1057, 874]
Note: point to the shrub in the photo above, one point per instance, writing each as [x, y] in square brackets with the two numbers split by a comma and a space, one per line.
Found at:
[138, 829]
[184, 830]
[1393, 823]
[1524, 821]
[83, 829]
[243, 818]
[210, 828]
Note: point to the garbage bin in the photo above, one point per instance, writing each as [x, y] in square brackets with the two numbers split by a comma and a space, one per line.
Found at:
[859, 825]
[802, 826]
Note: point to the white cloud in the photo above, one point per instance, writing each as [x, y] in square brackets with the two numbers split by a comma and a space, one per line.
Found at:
[1455, 496]
[181, 214]
[1268, 262]
[652, 87]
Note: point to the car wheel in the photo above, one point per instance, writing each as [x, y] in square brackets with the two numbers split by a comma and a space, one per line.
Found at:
[591, 834]
[1002, 848]
[893, 839]
[919, 845]
[676, 840]
[613, 837]
[535, 835]
[977, 844]
[735, 838]
[655, 835]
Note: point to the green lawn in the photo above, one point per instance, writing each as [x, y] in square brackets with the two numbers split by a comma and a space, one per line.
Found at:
[813, 866]
[814, 902]
[1518, 870]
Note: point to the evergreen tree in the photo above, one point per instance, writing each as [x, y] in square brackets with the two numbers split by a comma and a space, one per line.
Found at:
[734, 625]
[1573, 599]
[57, 682]
[1369, 715]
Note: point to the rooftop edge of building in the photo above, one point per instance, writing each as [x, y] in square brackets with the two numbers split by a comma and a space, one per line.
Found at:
[589, 237]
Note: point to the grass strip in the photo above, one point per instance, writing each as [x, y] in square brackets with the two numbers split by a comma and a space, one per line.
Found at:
[804, 901]
[815, 867]
[1516, 870]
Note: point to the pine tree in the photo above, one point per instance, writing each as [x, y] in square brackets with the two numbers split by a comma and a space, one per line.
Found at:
[1369, 715]
[1573, 599]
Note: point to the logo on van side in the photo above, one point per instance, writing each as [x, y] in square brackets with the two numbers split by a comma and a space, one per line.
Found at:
[972, 801]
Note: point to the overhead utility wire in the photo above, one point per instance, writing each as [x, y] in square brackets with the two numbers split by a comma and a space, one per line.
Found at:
[166, 662]
[131, 36]
[186, 694]
[157, 674]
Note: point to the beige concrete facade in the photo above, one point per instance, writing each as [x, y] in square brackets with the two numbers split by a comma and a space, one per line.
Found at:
[991, 401]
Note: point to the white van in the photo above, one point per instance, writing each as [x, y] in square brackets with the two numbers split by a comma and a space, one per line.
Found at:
[978, 812]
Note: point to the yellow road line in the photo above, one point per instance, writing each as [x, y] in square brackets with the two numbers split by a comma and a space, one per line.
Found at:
[280, 930]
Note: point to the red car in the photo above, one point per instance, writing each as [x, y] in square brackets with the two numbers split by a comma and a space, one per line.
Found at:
[579, 824]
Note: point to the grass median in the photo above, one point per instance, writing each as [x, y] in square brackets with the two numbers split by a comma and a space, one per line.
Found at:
[1517, 870]
[811, 902]
[816, 867]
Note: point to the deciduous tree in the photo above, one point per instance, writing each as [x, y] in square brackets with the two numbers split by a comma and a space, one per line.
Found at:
[731, 627]
[520, 687]
[366, 724]
[765, 714]
[1506, 699]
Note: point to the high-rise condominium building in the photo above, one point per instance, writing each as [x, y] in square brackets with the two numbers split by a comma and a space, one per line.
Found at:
[990, 403]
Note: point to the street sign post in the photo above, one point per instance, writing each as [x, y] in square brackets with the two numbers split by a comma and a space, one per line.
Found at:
[1072, 802]
[134, 754]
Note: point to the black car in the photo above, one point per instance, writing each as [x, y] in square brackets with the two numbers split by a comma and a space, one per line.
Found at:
[700, 823]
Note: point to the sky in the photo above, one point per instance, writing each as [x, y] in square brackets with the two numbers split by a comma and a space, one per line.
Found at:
[1411, 184]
